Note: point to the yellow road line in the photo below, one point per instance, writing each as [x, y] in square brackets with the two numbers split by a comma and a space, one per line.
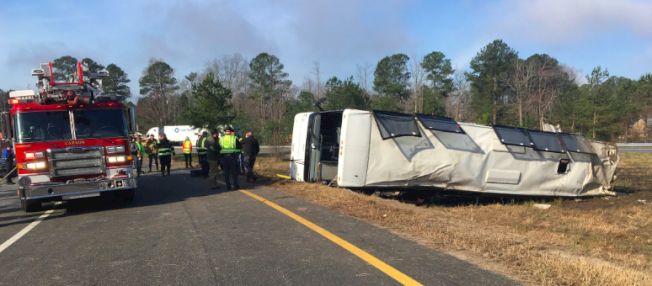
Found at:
[379, 264]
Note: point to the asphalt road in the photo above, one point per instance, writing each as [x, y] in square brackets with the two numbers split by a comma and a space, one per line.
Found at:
[180, 232]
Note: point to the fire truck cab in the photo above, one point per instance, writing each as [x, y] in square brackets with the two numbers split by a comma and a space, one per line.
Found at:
[70, 139]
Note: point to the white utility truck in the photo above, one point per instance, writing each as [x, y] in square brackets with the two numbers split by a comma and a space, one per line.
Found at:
[177, 133]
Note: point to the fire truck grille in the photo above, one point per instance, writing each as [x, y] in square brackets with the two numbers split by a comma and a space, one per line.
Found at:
[76, 161]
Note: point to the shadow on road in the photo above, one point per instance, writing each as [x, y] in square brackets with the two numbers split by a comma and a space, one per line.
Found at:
[18, 219]
[153, 189]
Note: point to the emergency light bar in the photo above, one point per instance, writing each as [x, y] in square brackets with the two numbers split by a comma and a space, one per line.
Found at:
[17, 96]
[22, 93]
[40, 73]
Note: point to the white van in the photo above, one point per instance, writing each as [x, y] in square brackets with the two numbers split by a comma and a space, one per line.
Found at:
[386, 150]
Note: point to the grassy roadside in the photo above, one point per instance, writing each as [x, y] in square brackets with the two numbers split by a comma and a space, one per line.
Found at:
[600, 241]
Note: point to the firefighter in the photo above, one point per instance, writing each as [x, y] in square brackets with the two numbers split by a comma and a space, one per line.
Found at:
[201, 153]
[229, 150]
[165, 152]
[213, 149]
[187, 152]
[250, 150]
[241, 164]
[9, 164]
[140, 154]
[152, 151]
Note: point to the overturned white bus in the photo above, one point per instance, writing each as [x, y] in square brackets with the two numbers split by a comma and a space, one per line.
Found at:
[385, 150]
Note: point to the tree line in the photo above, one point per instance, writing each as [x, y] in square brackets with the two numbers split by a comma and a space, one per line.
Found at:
[500, 87]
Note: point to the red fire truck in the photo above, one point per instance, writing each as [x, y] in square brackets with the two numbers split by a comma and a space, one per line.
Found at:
[71, 140]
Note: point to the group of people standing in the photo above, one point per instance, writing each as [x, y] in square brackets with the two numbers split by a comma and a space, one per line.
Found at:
[228, 152]
[158, 151]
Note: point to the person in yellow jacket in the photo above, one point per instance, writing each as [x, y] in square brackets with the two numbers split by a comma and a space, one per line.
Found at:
[186, 147]
[152, 151]
[229, 152]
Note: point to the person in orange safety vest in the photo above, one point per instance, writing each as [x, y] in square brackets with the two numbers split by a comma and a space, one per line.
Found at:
[187, 152]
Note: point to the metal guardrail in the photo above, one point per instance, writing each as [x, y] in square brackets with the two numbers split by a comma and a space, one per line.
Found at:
[265, 150]
[622, 147]
[634, 147]
[275, 149]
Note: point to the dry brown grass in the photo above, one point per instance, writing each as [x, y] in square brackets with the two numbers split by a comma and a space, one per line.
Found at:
[635, 171]
[600, 241]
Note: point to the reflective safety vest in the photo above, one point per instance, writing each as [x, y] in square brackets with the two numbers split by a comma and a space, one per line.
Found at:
[201, 146]
[141, 148]
[187, 147]
[165, 148]
[228, 144]
[164, 152]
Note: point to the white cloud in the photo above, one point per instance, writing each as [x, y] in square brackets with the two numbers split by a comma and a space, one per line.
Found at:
[337, 33]
[338, 29]
[562, 21]
[190, 29]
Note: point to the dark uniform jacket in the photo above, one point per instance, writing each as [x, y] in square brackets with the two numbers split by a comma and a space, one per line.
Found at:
[250, 146]
[9, 159]
[213, 147]
[163, 144]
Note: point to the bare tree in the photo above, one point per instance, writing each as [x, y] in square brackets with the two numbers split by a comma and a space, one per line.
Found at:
[309, 85]
[231, 70]
[316, 72]
[418, 76]
[547, 76]
[363, 75]
[235, 71]
[520, 83]
[460, 97]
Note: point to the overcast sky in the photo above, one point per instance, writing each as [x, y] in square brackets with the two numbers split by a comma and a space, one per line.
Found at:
[339, 34]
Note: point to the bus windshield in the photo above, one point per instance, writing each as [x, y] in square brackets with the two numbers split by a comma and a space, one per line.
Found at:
[100, 123]
[42, 126]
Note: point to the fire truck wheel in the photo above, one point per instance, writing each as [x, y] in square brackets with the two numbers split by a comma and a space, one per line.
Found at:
[30, 205]
[128, 195]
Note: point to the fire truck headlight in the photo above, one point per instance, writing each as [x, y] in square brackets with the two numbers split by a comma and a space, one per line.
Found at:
[36, 166]
[34, 155]
[117, 159]
[115, 149]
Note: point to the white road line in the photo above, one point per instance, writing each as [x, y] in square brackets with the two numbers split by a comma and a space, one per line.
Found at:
[24, 231]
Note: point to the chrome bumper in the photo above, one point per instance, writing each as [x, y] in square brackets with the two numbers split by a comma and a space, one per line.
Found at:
[73, 190]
